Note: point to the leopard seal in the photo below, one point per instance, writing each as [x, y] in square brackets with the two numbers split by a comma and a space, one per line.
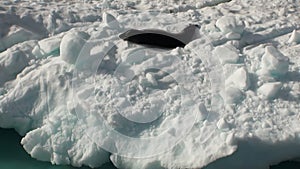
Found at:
[161, 38]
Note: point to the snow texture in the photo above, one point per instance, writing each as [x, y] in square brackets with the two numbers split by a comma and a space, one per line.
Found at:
[79, 95]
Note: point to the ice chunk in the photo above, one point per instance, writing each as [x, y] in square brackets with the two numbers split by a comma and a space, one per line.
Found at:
[226, 53]
[203, 113]
[295, 37]
[110, 20]
[274, 63]
[90, 18]
[93, 58]
[46, 144]
[233, 36]
[240, 79]
[41, 154]
[50, 44]
[55, 24]
[270, 90]
[151, 79]
[71, 45]
[232, 95]
[14, 60]
[60, 138]
[223, 124]
[229, 24]
[47, 47]
[177, 156]
[64, 132]
[295, 92]
[16, 35]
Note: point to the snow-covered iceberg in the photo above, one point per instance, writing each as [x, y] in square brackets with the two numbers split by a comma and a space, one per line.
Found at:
[79, 95]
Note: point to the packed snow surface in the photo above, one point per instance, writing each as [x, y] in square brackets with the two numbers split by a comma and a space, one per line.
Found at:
[80, 95]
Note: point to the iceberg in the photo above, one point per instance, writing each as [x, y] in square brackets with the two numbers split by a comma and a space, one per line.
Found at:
[78, 95]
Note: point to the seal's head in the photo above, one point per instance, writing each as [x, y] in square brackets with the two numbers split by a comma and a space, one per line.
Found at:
[191, 28]
[196, 25]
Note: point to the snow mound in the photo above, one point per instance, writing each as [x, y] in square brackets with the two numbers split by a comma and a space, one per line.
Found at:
[110, 21]
[274, 63]
[270, 90]
[240, 79]
[47, 47]
[14, 60]
[16, 35]
[226, 54]
[230, 25]
[71, 45]
[295, 37]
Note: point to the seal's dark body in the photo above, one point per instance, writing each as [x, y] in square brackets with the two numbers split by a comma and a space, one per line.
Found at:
[160, 38]
[156, 40]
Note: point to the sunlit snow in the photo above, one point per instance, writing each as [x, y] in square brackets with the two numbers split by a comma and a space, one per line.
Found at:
[79, 95]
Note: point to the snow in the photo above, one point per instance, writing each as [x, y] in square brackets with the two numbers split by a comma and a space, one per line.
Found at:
[16, 35]
[110, 20]
[240, 79]
[47, 47]
[71, 45]
[274, 63]
[14, 60]
[79, 95]
[229, 24]
[226, 54]
[270, 90]
[232, 95]
[295, 37]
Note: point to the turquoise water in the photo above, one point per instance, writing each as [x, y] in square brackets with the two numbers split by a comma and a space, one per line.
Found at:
[13, 156]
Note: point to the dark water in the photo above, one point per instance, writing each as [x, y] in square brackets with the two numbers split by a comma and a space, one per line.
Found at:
[13, 156]
[287, 165]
